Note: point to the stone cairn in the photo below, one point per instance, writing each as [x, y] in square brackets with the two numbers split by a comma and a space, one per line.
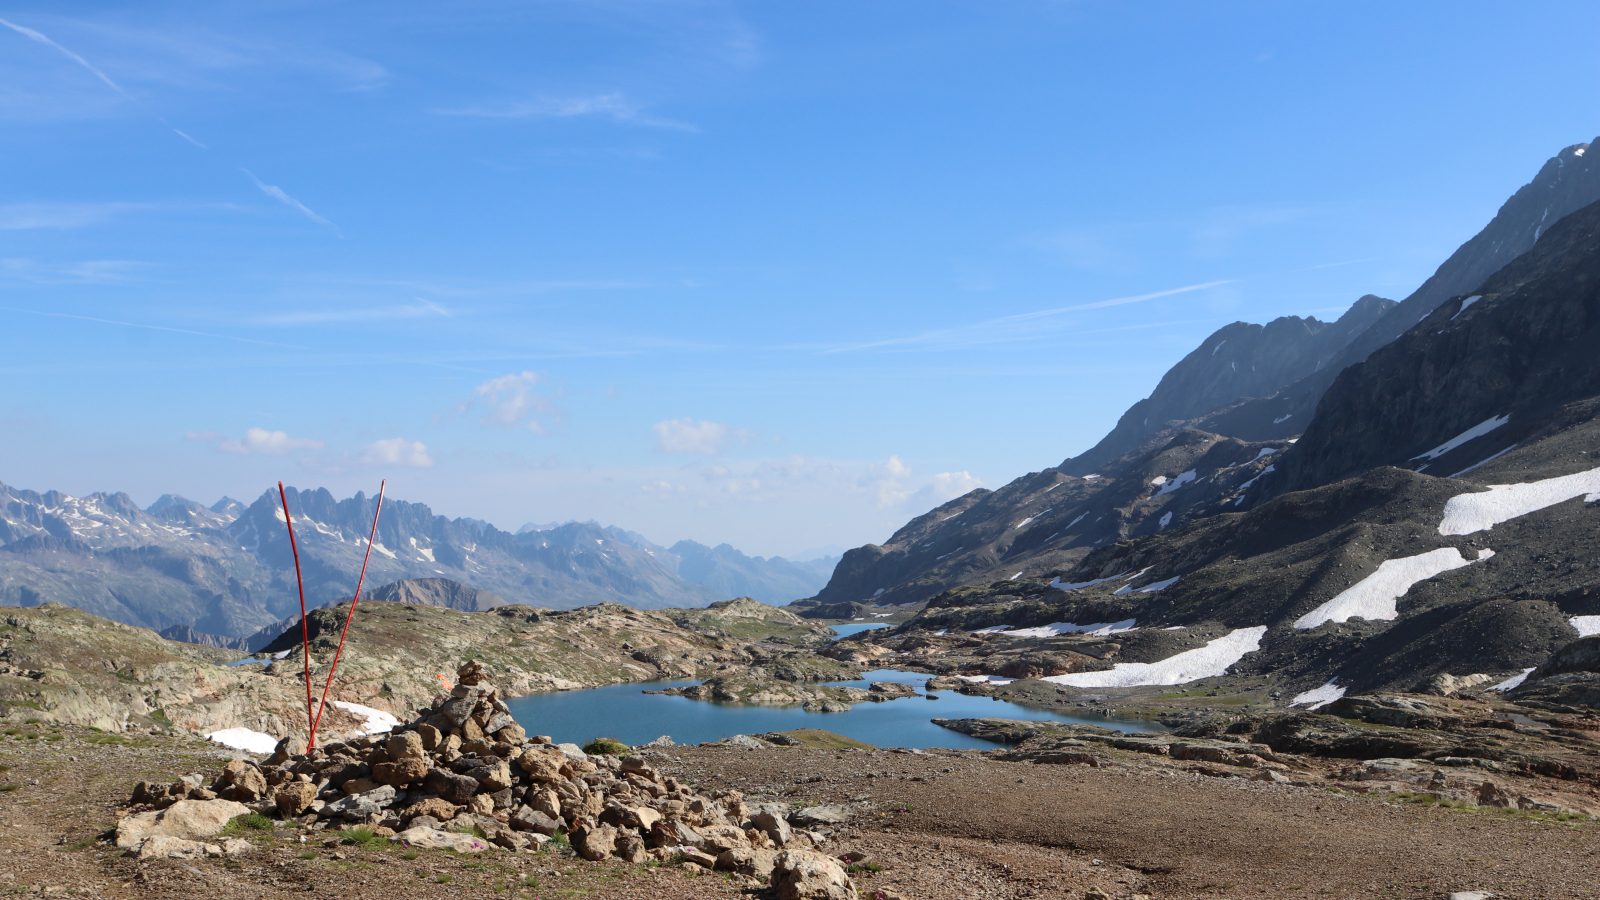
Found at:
[464, 775]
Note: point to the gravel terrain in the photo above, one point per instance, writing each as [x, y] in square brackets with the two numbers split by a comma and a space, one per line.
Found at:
[938, 826]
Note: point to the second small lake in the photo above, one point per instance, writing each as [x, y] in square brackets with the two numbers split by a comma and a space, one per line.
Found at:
[624, 712]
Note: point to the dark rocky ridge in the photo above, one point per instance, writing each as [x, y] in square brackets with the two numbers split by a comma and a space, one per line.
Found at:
[1237, 361]
[1526, 347]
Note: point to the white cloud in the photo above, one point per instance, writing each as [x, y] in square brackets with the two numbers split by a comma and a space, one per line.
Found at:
[36, 36]
[257, 441]
[688, 436]
[512, 399]
[397, 452]
[944, 487]
[613, 106]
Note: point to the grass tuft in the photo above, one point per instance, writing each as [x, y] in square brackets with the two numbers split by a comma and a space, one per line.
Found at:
[605, 746]
[247, 823]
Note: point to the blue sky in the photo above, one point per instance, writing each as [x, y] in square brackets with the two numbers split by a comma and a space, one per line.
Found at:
[777, 274]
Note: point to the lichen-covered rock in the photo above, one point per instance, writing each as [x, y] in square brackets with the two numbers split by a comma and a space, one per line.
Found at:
[434, 839]
[187, 819]
[293, 798]
[809, 875]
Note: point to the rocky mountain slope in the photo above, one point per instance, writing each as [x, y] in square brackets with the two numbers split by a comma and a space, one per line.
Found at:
[1237, 361]
[227, 571]
[1149, 476]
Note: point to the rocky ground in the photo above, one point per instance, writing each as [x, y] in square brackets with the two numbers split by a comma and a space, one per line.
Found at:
[63, 665]
[1062, 815]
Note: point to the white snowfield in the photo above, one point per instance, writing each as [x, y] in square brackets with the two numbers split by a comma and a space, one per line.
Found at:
[1202, 662]
[1149, 588]
[1476, 431]
[1513, 681]
[244, 739]
[1059, 585]
[1319, 697]
[1374, 596]
[1466, 303]
[1588, 626]
[1057, 628]
[991, 679]
[1470, 513]
[1176, 483]
[378, 721]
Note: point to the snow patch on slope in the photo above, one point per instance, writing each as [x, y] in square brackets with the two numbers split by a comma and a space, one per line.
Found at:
[244, 739]
[1374, 596]
[1319, 697]
[378, 721]
[1176, 483]
[1476, 431]
[1514, 681]
[1588, 626]
[1059, 628]
[1202, 662]
[1469, 513]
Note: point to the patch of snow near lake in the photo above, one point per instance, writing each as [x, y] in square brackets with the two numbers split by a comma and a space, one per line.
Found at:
[1588, 626]
[283, 654]
[991, 679]
[378, 721]
[1191, 665]
[1468, 513]
[1265, 451]
[1374, 596]
[244, 739]
[1159, 480]
[1176, 483]
[1476, 431]
[1319, 697]
[1059, 628]
[1166, 520]
[1514, 681]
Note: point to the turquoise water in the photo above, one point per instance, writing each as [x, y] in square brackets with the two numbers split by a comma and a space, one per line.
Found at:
[623, 712]
[847, 630]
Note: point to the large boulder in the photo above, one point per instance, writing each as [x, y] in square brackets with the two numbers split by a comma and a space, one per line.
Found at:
[457, 789]
[241, 781]
[595, 843]
[400, 773]
[434, 839]
[809, 875]
[186, 819]
[293, 798]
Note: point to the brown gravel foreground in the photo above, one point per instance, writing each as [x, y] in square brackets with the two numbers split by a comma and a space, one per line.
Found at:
[943, 827]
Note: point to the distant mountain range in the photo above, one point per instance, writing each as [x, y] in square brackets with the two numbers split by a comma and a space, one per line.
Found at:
[226, 570]
[1423, 502]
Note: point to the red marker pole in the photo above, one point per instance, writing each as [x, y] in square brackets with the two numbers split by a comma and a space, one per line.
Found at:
[323, 704]
[305, 630]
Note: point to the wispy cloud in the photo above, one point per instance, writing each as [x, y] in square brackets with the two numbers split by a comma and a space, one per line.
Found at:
[27, 216]
[278, 194]
[223, 337]
[420, 309]
[39, 37]
[1005, 329]
[613, 106]
[36, 36]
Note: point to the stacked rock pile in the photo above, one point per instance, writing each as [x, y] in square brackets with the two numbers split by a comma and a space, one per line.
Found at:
[464, 775]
